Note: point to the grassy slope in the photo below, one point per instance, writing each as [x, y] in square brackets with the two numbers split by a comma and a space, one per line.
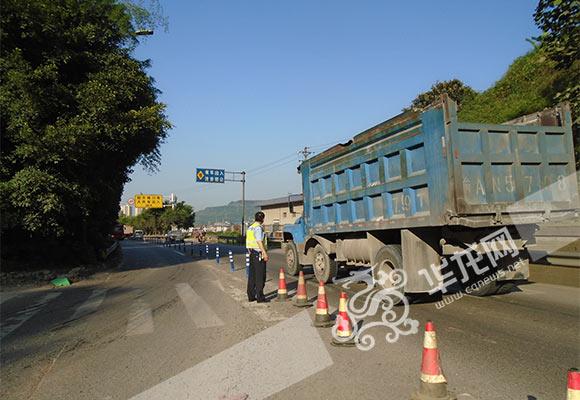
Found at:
[527, 86]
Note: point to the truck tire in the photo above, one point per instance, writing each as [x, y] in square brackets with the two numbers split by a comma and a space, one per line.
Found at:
[324, 267]
[388, 258]
[292, 266]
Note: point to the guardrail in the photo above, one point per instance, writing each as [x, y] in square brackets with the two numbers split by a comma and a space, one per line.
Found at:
[105, 253]
[557, 244]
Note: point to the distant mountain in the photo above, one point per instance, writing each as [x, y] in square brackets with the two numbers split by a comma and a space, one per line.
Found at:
[230, 213]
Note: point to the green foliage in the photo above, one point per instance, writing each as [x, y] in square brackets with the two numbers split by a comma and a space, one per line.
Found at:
[182, 216]
[232, 234]
[159, 220]
[78, 111]
[456, 90]
[559, 21]
[529, 85]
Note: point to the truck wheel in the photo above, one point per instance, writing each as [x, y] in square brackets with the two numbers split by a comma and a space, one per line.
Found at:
[388, 258]
[324, 267]
[292, 265]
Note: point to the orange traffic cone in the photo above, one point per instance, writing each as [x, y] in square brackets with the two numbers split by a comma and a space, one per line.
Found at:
[433, 382]
[573, 384]
[322, 318]
[344, 336]
[282, 291]
[301, 296]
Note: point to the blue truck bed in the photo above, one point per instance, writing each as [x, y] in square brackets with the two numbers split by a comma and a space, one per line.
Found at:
[423, 169]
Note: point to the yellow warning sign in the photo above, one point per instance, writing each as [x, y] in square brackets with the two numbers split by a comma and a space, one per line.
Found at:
[149, 201]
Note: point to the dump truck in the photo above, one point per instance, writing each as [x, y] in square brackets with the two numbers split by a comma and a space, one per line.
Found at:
[436, 198]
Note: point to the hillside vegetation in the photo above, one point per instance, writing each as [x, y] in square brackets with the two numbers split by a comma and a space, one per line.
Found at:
[530, 84]
[230, 213]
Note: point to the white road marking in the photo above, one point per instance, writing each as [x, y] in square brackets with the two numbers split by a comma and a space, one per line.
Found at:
[5, 296]
[90, 304]
[10, 325]
[199, 311]
[141, 319]
[246, 368]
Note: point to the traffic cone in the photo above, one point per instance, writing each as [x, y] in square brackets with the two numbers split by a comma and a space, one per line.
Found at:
[573, 384]
[344, 336]
[433, 382]
[322, 318]
[301, 296]
[282, 291]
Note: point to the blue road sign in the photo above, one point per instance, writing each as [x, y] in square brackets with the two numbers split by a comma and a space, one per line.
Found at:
[208, 175]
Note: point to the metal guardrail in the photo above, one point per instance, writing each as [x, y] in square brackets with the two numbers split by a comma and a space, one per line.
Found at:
[108, 251]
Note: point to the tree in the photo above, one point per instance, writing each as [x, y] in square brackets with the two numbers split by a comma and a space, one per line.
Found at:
[456, 90]
[559, 21]
[182, 216]
[78, 112]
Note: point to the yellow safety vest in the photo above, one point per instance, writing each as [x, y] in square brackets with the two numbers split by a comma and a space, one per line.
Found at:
[251, 242]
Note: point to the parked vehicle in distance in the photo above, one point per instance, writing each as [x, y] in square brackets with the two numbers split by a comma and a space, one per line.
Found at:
[138, 235]
[419, 189]
[117, 232]
[175, 236]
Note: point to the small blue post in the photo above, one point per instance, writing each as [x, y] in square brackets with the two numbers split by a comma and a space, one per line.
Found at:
[207, 251]
[247, 264]
[232, 266]
[217, 255]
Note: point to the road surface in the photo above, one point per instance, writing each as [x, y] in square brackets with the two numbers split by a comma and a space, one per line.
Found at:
[168, 326]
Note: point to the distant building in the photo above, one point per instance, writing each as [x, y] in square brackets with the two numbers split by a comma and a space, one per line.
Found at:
[125, 210]
[129, 210]
[281, 211]
[219, 227]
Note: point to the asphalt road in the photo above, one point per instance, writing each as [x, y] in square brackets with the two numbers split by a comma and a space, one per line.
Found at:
[168, 326]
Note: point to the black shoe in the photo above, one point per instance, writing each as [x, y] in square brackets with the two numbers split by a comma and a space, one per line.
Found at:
[264, 300]
[251, 299]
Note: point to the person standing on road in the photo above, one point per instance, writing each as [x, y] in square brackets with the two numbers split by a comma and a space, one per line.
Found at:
[256, 247]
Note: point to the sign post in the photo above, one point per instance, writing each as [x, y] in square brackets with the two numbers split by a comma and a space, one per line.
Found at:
[212, 175]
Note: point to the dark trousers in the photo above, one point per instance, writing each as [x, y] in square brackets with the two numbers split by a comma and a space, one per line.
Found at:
[256, 277]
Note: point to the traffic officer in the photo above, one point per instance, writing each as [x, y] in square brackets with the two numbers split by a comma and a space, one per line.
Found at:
[256, 243]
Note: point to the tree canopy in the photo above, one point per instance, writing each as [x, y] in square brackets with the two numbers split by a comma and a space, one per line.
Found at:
[157, 220]
[559, 21]
[457, 90]
[78, 112]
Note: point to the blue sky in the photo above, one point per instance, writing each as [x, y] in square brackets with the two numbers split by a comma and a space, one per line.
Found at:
[248, 83]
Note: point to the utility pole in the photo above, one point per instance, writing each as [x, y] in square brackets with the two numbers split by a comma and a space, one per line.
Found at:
[236, 178]
[305, 153]
[243, 231]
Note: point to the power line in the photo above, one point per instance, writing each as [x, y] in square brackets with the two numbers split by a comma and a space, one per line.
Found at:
[274, 167]
[270, 163]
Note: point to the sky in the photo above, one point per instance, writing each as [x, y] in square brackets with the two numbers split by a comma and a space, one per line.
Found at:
[248, 84]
